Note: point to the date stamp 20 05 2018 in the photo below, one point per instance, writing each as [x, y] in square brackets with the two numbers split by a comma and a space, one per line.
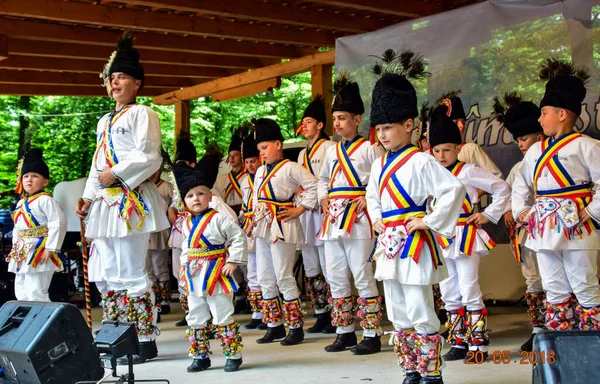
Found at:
[503, 357]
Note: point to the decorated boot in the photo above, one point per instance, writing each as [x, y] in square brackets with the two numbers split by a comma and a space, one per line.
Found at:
[184, 305]
[165, 297]
[294, 319]
[370, 314]
[589, 318]
[559, 317]
[576, 314]
[272, 314]
[112, 306]
[404, 342]
[341, 316]
[317, 289]
[231, 342]
[456, 335]
[439, 305]
[255, 301]
[429, 361]
[477, 331]
[140, 310]
[536, 309]
[199, 349]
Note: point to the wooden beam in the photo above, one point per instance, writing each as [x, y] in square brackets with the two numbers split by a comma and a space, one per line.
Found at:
[85, 13]
[147, 56]
[41, 31]
[271, 12]
[247, 90]
[88, 66]
[286, 69]
[54, 90]
[82, 79]
[3, 47]
[404, 8]
[182, 121]
[321, 81]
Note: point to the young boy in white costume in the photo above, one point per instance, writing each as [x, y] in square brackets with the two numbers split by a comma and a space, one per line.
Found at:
[467, 315]
[347, 230]
[407, 257]
[40, 228]
[213, 246]
[552, 194]
[520, 119]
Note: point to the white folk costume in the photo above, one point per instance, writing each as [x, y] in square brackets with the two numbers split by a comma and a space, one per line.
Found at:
[40, 225]
[228, 187]
[348, 234]
[276, 240]
[520, 119]
[399, 187]
[553, 184]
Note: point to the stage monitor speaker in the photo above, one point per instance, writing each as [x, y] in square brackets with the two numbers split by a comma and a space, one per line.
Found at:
[46, 343]
[566, 357]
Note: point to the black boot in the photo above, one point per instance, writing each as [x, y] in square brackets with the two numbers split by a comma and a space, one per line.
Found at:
[253, 324]
[412, 378]
[199, 365]
[342, 341]
[367, 346]
[322, 320]
[262, 326]
[232, 365]
[431, 380]
[181, 323]
[329, 328]
[273, 333]
[241, 307]
[148, 351]
[528, 346]
[294, 336]
[165, 309]
[455, 353]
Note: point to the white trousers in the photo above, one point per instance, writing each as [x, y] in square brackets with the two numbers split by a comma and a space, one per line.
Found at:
[176, 261]
[275, 268]
[157, 264]
[531, 271]
[345, 257]
[33, 286]
[410, 306]
[461, 287]
[124, 263]
[253, 284]
[574, 271]
[313, 258]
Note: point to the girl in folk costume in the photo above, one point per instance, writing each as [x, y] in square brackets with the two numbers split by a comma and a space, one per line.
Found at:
[520, 119]
[400, 183]
[552, 195]
[313, 251]
[346, 231]
[467, 316]
[278, 231]
[251, 162]
[124, 207]
[40, 228]
[213, 246]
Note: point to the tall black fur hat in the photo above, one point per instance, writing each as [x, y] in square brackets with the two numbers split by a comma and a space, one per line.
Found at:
[565, 87]
[186, 151]
[442, 129]
[316, 110]
[236, 139]
[127, 59]
[519, 117]
[394, 97]
[267, 130]
[346, 95]
[205, 173]
[33, 161]
[249, 148]
[451, 99]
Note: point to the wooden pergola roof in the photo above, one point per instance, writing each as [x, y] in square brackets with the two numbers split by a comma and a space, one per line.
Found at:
[58, 47]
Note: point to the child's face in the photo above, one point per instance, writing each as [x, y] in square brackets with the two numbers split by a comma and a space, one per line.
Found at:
[235, 159]
[311, 128]
[346, 125]
[446, 154]
[394, 136]
[550, 120]
[252, 164]
[424, 145]
[270, 151]
[461, 125]
[197, 199]
[34, 182]
[526, 141]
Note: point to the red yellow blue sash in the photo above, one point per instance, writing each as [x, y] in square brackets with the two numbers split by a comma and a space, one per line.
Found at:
[105, 141]
[344, 164]
[389, 166]
[247, 206]
[234, 183]
[196, 226]
[214, 275]
[549, 159]
[309, 153]
[266, 195]
[514, 243]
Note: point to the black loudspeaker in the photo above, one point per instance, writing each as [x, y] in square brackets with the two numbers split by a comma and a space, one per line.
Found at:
[566, 357]
[46, 343]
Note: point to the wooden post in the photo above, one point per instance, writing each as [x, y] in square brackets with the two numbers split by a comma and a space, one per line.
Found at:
[321, 81]
[182, 121]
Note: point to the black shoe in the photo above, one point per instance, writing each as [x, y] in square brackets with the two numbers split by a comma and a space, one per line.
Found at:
[294, 336]
[253, 324]
[148, 351]
[165, 309]
[329, 329]
[242, 307]
[342, 341]
[528, 346]
[181, 323]
[199, 365]
[444, 335]
[232, 365]
[158, 317]
[442, 316]
[412, 378]
[367, 346]
[322, 320]
[262, 326]
[431, 380]
[273, 333]
[455, 354]
[470, 359]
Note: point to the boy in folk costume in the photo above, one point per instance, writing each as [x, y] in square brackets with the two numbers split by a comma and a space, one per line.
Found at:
[124, 207]
[347, 231]
[40, 228]
[467, 315]
[277, 231]
[408, 260]
[251, 163]
[552, 195]
[213, 246]
[520, 119]
[313, 251]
